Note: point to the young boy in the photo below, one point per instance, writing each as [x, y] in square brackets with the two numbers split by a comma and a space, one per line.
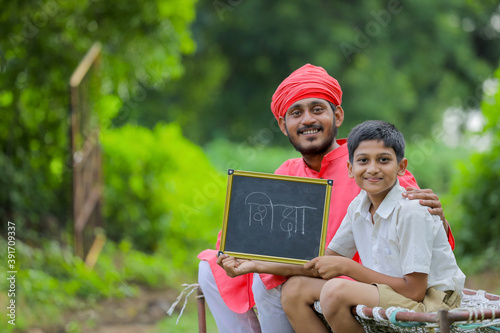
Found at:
[407, 260]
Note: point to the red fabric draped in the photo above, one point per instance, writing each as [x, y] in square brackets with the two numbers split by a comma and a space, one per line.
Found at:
[306, 82]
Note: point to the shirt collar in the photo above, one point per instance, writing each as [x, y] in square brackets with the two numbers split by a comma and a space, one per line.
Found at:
[364, 205]
[336, 153]
[386, 207]
[390, 201]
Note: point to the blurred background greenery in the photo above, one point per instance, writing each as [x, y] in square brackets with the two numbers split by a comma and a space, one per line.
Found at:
[186, 88]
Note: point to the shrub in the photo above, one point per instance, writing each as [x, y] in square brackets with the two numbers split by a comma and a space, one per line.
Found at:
[161, 192]
[476, 191]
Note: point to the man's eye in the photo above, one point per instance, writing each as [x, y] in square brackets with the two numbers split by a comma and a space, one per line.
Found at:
[317, 110]
[295, 113]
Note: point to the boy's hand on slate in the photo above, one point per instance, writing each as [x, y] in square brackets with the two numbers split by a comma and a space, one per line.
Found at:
[326, 267]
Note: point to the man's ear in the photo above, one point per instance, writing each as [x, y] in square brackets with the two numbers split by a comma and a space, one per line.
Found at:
[403, 164]
[282, 125]
[349, 169]
[339, 116]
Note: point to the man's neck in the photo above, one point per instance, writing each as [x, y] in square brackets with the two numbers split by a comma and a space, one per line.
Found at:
[314, 160]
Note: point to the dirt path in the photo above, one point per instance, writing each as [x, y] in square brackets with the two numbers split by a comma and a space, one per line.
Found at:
[138, 314]
[130, 328]
[487, 281]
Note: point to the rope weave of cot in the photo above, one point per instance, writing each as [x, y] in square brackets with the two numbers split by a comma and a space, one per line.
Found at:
[474, 304]
[390, 314]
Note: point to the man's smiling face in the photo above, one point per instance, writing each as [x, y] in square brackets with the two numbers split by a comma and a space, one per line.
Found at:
[310, 126]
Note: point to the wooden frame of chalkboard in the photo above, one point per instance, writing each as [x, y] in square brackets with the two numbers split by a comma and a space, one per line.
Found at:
[274, 217]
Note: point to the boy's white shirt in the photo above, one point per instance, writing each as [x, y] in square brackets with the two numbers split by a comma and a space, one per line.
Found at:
[404, 238]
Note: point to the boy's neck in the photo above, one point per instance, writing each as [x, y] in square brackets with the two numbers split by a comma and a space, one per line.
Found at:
[372, 211]
[375, 204]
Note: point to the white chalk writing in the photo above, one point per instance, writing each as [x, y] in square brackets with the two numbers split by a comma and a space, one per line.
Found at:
[261, 209]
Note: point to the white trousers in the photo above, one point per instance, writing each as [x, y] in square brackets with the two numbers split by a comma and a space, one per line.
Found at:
[272, 318]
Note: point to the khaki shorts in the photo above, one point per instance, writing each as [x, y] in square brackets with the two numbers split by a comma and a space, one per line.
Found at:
[434, 299]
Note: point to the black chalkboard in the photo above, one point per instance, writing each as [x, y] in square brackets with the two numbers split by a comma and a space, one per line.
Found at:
[274, 217]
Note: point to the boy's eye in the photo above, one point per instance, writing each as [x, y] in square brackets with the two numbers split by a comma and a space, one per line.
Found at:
[362, 160]
[384, 159]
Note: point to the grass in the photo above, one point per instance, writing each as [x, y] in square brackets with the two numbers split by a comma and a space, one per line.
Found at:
[51, 282]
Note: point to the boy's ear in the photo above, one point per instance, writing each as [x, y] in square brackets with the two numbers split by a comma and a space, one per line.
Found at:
[349, 168]
[282, 125]
[403, 164]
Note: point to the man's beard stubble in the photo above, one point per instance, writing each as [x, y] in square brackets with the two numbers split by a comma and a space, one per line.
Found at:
[323, 148]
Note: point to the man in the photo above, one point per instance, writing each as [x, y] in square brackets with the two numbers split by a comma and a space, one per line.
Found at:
[307, 106]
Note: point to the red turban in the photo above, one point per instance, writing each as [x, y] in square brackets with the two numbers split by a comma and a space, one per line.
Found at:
[306, 82]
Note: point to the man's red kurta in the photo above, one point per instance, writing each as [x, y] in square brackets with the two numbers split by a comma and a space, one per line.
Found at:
[237, 292]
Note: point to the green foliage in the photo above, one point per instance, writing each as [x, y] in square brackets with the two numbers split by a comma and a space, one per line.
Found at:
[387, 68]
[43, 42]
[162, 193]
[476, 192]
[51, 282]
[244, 156]
[432, 162]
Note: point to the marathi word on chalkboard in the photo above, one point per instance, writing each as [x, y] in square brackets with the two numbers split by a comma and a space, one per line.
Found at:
[274, 217]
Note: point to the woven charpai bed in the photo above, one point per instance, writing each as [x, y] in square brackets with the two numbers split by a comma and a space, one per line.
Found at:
[479, 312]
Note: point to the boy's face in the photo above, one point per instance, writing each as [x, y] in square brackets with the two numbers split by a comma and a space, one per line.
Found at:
[375, 168]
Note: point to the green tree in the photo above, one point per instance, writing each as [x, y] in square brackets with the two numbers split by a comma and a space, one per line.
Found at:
[476, 190]
[405, 62]
[42, 43]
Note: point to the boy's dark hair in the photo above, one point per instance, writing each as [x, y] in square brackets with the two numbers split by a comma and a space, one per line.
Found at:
[376, 130]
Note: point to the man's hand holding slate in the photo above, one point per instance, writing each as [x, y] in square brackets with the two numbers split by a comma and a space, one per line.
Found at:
[235, 267]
